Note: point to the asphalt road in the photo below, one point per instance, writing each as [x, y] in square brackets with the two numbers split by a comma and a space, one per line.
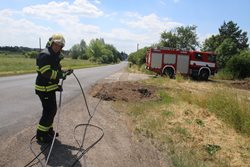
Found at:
[20, 106]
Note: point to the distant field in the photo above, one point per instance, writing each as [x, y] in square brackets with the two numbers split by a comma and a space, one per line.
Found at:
[12, 64]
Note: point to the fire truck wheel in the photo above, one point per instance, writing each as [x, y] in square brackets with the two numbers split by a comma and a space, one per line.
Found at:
[204, 74]
[169, 72]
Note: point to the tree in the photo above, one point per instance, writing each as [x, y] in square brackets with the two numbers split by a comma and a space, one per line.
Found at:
[97, 51]
[187, 37]
[138, 57]
[225, 51]
[239, 66]
[169, 39]
[232, 31]
[210, 44]
[31, 54]
[107, 56]
[79, 51]
[94, 51]
[230, 41]
[180, 38]
[116, 55]
[124, 56]
[83, 48]
[75, 51]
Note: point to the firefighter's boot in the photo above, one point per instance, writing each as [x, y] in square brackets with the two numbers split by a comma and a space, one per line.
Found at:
[52, 132]
[43, 137]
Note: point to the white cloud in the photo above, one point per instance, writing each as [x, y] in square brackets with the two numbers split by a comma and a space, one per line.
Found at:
[97, 2]
[150, 22]
[52, 9]
[20, 32]
[6, 13]
[147, 28]
[122, 34]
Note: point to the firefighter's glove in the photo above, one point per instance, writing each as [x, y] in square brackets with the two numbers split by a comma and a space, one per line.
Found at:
[60, 88]
[69, 71]
[62, 75]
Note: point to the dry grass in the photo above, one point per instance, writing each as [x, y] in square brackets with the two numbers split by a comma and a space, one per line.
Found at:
[187, 126]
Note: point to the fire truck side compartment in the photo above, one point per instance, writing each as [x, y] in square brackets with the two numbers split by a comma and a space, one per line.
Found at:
[183, 64]
[156, 60]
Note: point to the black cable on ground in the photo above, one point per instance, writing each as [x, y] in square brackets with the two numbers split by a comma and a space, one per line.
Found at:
[85, 130]
[36, 156]
[81, 151]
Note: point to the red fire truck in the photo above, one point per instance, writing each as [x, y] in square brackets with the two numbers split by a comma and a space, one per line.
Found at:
[167, 61]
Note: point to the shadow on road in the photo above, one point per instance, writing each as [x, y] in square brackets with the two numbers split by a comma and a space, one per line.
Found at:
[61, 154]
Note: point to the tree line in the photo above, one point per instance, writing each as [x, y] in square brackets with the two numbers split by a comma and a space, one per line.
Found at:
[17, 49]
[97, 51]
[230, 45]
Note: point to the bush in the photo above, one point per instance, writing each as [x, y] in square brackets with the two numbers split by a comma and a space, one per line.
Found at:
[31, 54]
[239, 65]
[138, 57]
[224, 74]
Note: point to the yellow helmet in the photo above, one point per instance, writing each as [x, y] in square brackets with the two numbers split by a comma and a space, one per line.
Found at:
[59, 39]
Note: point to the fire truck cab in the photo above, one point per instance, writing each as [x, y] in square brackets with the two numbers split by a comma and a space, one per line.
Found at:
[167, 61]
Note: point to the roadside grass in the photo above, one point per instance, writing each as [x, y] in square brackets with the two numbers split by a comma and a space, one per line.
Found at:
[232, 108]
[228, 104]
[77, 63]
[18, 64]
[196, 123]
[139, 69]
[224, 75]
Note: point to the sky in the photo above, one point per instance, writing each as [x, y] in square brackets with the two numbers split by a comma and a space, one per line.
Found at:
[126, 24]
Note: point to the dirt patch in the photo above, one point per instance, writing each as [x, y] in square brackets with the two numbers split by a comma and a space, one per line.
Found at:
[124, 91]
[241, 84]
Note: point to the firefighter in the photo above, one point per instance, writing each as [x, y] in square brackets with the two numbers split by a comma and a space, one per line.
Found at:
[49, 73]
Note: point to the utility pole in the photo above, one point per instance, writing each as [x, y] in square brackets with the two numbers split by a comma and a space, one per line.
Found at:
[137, 46]
[40, 44]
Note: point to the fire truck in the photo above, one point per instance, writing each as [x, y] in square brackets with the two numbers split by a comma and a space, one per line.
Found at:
[169, 62]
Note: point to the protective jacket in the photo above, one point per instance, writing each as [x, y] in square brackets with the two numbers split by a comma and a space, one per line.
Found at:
[49, 71]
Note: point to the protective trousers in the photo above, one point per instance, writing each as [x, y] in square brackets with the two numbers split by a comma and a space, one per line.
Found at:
[48, 100]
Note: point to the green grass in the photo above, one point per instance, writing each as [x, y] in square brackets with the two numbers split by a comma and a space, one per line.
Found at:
[224, 75]
[139, 69]
[16, 65]
[12, 64]
[185, 158]
[151, 117]
[171, 126]
[77, 63]
[231, 108]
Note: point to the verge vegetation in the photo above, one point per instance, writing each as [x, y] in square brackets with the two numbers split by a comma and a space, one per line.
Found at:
[195, 123]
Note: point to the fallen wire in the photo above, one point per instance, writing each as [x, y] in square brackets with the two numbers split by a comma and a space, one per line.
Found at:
[81, 152]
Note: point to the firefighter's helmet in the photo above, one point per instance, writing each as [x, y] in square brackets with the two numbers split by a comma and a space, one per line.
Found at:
[58, 38]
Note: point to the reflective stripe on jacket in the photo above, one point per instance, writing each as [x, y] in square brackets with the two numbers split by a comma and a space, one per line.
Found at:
[48, 71]
[46, 88]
